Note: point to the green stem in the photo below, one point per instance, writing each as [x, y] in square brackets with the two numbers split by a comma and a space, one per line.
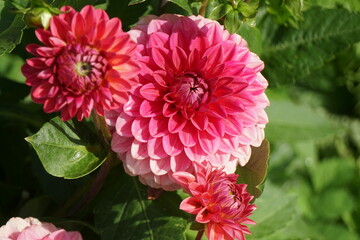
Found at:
[98, 181]
[203, 8]
[102, 129]
[96, 184]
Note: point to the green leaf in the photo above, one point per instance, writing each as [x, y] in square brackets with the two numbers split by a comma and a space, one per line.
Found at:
[247, 10]
[295, 53]
[232, 21]
[292, 122]
[352, 5]
[326, 231]
[195, 7]
[287, 13]
[130, 15]
[275, 209]
[184, 4]
[11, 28]
[76, 4]
[333, 203]
[253, 37]
[67, 149]
[332, 172]
[254, 172]
[133, 2]
[10, 67]
[220, 11]
[123, 212]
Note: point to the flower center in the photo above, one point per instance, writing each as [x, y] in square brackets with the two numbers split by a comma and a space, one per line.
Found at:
[189, 90]
[234, 194]
[81, 69]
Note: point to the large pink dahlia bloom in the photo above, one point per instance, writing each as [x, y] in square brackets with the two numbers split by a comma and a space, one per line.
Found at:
[32, 229]
[200, 97]
[218, 202]
[87, 63]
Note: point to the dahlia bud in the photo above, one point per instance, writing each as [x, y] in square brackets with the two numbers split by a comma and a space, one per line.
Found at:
[38, 17]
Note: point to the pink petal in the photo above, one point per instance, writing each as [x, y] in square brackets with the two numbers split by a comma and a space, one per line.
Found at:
[160, 166]
[191, 205]
[136, 167]
[172, 144]
[180, 162]
[188, 135]
[121, 144]
[139, 150]
[139, 129]
[155, 148]
[183, 178]
[200, 120]
[208, 143]
[176, 123]
[158, 126]
[151, 92]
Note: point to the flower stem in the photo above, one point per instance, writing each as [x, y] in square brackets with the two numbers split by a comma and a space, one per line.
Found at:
[101, 128]
[203, 8]
[96, 184]
[199, 235]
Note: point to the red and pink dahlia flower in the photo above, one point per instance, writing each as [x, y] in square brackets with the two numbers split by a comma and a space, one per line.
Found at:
[32, 229]
[218, 202]
[200, 98]
[87, 63]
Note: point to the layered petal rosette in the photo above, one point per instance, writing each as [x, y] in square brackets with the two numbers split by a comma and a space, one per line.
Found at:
[217, 201]
[87, 63]
[32, 229]
[200, 98]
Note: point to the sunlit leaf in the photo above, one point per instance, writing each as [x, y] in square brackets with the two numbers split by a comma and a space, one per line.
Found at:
[67, 149]
[232, 21]
[220, 11]
[292, 54]
[293, 122]
[253, 37]
[133, 2]
[254, 172]
[275, 209]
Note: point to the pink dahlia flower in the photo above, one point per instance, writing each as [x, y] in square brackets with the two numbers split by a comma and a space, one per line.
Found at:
[200, 98]
[32, 229]
[218, 202]
[87, 63]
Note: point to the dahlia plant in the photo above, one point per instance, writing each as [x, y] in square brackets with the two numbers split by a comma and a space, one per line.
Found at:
[87, 62]
[178, 100]
[200, 97]
[32, 229]
[218, 202]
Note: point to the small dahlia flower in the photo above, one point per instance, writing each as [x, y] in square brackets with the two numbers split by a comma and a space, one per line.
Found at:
[87, 63]
[217, 201]
[32, 229]
[200, 98]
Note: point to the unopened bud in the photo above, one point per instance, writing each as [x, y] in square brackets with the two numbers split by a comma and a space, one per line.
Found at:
[38, 17]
